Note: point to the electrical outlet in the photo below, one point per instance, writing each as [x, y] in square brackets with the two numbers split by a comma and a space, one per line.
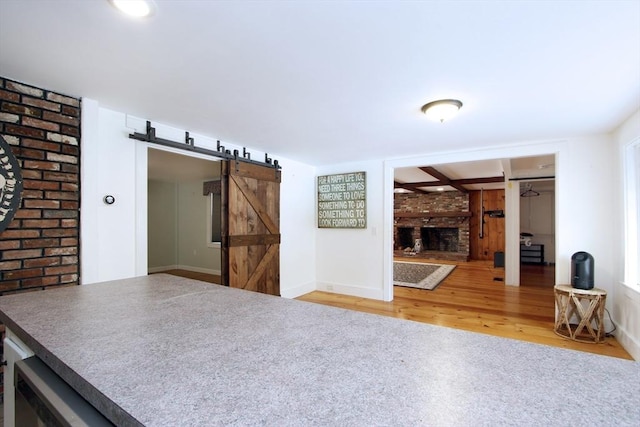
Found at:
[329, 287]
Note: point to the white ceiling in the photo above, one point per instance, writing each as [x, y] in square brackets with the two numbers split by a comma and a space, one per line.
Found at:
[521, 169]
[329, 81]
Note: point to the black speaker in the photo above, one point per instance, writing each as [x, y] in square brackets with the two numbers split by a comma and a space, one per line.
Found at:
[582, 270]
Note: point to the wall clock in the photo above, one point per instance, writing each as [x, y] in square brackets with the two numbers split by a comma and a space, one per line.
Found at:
[10, 184]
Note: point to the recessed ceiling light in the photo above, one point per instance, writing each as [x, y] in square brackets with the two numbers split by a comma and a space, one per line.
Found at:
[136, 8]
[440, 189]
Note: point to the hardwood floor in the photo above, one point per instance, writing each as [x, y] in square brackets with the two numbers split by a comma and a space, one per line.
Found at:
[473, 298]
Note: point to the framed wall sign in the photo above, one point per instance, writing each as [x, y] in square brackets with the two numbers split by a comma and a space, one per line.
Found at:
[342, 200]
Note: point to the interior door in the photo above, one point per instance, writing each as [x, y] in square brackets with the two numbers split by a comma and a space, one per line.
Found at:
[250, 227]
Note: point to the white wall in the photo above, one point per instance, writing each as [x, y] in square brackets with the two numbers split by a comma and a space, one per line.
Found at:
[193, 252]
[297, 228]
[351, 261]
[162, 225]
[626, 297]
[109, 161]
[114, 238]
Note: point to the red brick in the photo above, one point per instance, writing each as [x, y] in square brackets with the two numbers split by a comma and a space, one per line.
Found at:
[28, 213]
[60, 176]
[41, 145]
[69, 260]
[43, 204]
[9, 244]
[70, 130]
[60, 213]
[21, 109]
[70, 111]
[70, 205]
[67, 269]
[69, 223]
[21, 254]
[9, 96]
[67, 186]
[28, 153]
[41, 103]
[32, 164]
[22, 274]
[23, 131]
[60, 232]
[61, 118]
[9, 286]
[70, 168]
[43, 130]
[20, 234]
[41, 262]
[69, 278]
[10, 265]
[40, 124]
[32, 194]
[40, 243]
[68, 241]
[61, 195]
[41, 223]
[70, 149]
[31, 174]
[40, 185]
[40, 281]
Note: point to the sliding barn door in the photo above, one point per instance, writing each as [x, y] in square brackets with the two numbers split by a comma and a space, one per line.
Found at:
[251, 227]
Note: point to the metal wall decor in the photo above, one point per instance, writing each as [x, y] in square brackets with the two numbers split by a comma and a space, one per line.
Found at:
[189, 145]
[10, 184]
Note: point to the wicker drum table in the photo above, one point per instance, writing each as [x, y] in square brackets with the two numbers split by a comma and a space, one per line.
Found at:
[587, 305]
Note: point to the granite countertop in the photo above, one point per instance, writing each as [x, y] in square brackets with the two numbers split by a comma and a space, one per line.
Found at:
[167, 351]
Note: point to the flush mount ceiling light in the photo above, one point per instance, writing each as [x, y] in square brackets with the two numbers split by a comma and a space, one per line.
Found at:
[135, 8]
[442, 110]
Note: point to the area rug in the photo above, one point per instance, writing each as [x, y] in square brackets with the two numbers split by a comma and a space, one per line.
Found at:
[420, 275]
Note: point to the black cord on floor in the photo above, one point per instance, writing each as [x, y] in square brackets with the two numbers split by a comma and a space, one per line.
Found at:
[610, 333]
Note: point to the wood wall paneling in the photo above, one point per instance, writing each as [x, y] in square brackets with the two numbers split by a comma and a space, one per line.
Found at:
[493, 239]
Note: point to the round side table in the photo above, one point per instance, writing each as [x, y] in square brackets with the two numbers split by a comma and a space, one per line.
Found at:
[587, 305]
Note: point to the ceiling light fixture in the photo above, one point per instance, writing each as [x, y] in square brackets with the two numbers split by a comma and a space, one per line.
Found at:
[135, 8]
[442, 110]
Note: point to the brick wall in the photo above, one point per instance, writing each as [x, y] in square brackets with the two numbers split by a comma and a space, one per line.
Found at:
[435, 202]
[40, 248]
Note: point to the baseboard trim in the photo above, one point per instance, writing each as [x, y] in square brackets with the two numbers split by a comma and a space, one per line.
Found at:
[199, 269]
[152, 270]
[356, 291]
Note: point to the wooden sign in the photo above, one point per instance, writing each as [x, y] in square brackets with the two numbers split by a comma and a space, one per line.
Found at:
[342, 200]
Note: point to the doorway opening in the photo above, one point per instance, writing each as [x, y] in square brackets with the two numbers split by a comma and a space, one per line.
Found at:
[181, 217]
[537, 233]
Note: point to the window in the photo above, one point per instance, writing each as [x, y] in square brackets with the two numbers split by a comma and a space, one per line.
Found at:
[214, 214]
[632, 213]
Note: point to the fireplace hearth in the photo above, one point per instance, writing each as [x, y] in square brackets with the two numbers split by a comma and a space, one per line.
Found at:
[443, 239]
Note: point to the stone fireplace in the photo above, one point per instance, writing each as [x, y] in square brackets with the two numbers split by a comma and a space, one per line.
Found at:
[440, 238]
[440, 219]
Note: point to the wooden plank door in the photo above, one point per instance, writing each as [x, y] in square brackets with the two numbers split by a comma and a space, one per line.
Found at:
[250, 227]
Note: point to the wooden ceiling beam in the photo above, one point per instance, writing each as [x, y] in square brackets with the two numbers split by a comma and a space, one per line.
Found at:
[443, 178]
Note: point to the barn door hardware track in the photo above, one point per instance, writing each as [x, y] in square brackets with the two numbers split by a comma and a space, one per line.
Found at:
[189, 145]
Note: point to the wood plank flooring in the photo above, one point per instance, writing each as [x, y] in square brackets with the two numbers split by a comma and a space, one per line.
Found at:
[471, 299]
